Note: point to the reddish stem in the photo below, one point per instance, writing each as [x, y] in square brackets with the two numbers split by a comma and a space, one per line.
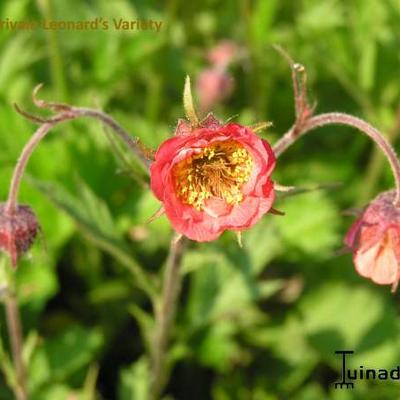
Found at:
[68, 113]
[11, 204]
[15, 337]
[164, 314]
[344, 119]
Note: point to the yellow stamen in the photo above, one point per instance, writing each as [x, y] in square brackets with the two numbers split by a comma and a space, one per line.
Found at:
[219, 170]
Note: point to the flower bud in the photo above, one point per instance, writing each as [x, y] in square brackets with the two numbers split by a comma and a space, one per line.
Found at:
[18, 231]
[374, 240]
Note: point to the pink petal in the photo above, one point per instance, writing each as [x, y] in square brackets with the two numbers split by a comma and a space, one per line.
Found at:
[216, 207]
[379, 262]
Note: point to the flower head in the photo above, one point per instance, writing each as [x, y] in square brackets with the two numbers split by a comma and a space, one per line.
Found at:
[375, 241]
[18, 231]
[213, 178]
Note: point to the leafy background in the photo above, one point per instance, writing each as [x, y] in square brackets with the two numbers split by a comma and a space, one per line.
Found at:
[261, 322]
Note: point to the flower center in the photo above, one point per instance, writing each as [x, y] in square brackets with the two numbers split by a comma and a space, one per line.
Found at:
[219, 170]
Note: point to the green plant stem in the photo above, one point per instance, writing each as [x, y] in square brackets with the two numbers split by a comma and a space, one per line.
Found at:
[165, 311]
[15, 335]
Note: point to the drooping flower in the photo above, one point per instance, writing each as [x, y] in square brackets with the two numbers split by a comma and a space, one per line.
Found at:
[18, 231]
[375, 241]
[213, 178]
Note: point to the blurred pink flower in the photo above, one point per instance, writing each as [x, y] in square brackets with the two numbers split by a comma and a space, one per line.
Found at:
[213, 86]
[223, 54]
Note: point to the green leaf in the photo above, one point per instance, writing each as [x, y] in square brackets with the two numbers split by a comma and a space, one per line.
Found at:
[342, 316]
[6, 365]
[110, 290]
[262, 243]
[321, 16]
[217, 348]
[287, 340]
[223, 284]
[94, 220]
[57, 391]
[367, 65]
[221, 302]
[134, 381]
[262, 18]
[146, 323]
[13, 59]
[310, 224]
[36, 282]
[60, 357]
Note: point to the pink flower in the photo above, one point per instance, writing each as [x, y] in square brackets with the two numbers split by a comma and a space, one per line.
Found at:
[223, 54]
[375, 241]
[17, 231]
[213, 178]
[213, 86]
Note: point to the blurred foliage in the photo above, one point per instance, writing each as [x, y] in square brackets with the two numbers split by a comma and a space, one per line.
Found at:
[259, 323]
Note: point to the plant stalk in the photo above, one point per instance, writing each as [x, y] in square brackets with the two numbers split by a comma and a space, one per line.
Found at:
[336, 118]
[15, 337]
[68, 113]
[165, 315]
[21, 164]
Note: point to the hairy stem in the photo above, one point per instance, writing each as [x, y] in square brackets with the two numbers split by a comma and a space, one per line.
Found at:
[377, 163]
[165, 314]
[15, 336]
[132, 144]
[336, 118]
[68, 113]
[21, 164]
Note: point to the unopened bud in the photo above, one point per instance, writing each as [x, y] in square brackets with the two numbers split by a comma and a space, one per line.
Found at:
[18, 231]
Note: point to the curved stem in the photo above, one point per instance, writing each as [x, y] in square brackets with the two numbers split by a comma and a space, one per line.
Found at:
[132, 144]
[15, 335]
[21, 164]
[344, 119]
[165, 314]
[69, 113]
